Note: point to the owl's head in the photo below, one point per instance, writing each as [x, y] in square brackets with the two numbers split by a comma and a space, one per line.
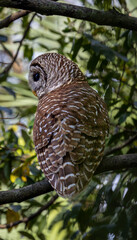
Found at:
[50, 71]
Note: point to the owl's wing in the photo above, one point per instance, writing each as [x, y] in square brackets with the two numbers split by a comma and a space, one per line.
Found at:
[69, 136]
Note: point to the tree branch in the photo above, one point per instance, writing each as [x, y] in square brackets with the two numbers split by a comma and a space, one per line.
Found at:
[108, 164]
[124, 144]
[27, 219]
[8, 20]
[6, 70]
[22, 194]
[119, 162]
[47, 7]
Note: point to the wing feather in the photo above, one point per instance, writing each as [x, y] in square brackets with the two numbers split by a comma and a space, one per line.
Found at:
[69, 136]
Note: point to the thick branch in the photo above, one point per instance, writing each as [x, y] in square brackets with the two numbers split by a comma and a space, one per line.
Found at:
[22, 194]
[119, 162]
[6, 22]
[47, 7]
[108, 164]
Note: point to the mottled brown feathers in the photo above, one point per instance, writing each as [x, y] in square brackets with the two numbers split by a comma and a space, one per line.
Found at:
[70, 125]
[69, 136]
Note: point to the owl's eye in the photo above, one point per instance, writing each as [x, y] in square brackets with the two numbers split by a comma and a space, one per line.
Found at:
[36, 77]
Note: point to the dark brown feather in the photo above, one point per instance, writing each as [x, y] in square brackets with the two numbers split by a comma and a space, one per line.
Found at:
[69, 136]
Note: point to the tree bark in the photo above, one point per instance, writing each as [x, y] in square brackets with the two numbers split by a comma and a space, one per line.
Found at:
[47, 7]
[8, 20]
[121, 162]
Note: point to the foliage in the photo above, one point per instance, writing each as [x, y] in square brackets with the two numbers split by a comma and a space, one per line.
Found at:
[107, 56]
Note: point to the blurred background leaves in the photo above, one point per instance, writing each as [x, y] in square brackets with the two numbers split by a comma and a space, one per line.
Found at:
[107, 56]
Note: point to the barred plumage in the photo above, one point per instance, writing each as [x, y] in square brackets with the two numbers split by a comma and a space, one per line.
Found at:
[70, 125]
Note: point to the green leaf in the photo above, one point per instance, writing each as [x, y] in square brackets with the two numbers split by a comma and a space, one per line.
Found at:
[41, 236]
[123, 117]
[76, 47]
[100, 48]
[15, 208]
[19, 182]
[27, 234]
[108, 95]
[42, 224]
[34, 170]
[107, 4]
[28, 52]
[7, 170]
[92, 62]
[122, 111]
[10, 91]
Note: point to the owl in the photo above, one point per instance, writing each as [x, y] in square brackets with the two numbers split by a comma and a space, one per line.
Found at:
[70, 125]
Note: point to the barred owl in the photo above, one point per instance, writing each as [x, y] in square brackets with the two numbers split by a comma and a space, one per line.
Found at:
[70, 125]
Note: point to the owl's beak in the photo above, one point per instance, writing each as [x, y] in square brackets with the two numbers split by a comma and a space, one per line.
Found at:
[34, 93]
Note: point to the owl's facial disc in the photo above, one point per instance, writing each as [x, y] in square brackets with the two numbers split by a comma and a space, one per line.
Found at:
[50, 71]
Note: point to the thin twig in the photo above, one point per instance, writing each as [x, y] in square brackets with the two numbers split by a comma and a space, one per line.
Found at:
[7, 51]
[134, 9]
[27, 219]
[20, 44]
[14, 117]
[126, 143]
[123, 128]
[8, 20]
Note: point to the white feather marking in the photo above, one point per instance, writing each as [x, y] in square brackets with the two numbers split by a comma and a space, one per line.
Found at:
[85, 176]
[75, 139]
[68, 163]
[71, 185]
[40, 129]
[81, 183]
[54, 147]
[77, 174]
[50, 154]
[74, 106]
[83, 115]
[61, 186]
[88, 169]
[65, 111]
[67, 176]
[89, 149]
[70, 116]
[69, 195]
[56, 129]
[48, 115]
[72, 126]
[51, 179]
[56, 139]
[55, 183]
[100, 149]
[43, 162]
